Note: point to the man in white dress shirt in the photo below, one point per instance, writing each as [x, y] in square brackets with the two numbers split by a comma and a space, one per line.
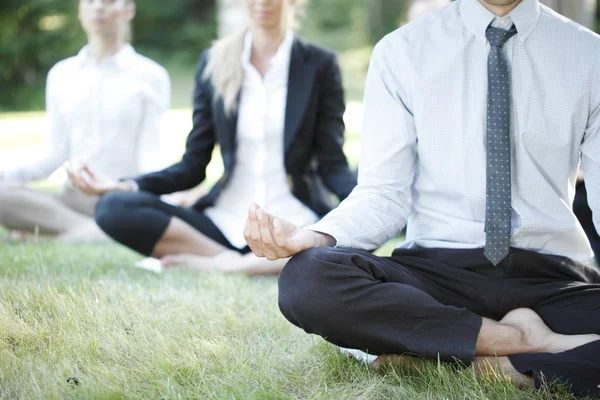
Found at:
[476, 119]
[104, 108]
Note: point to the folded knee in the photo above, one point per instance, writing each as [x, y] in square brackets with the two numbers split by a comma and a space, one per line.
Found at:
[302, 284]
[11, 198]
[113, 208]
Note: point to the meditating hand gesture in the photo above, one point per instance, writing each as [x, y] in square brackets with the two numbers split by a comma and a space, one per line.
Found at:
[275, 238]
[89, 183]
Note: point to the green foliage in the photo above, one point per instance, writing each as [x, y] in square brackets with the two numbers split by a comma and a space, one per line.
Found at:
[36, 34]
[385, 16]
[350, 24]
[598, 18]
[175, 29]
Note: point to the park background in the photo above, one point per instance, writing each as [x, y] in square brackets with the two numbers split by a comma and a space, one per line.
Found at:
[37, 34]
[34, 35]
[78, 321]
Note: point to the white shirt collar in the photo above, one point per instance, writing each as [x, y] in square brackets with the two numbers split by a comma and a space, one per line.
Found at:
[283, 53]
[504, 23]
[122, 59]
[478, 18]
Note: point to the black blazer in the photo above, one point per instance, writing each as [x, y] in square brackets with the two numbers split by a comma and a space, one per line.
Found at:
[314, 134]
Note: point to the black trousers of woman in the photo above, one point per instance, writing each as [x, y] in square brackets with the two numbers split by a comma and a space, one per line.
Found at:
[430, 302]
[139, 219]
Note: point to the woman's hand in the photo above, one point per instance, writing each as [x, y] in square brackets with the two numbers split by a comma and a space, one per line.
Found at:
[89, 183]
[275, 238]
[185, 198]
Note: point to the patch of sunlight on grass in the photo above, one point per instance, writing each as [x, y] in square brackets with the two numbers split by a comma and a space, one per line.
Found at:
[21, 115]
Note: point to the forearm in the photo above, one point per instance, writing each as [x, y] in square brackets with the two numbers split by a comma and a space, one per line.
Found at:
[172, 179]
[367, 218]
[32, 172]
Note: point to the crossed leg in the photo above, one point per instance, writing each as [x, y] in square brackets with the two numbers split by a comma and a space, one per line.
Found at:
[178, 236]
[444, 304]
[570, 309]
[28, 210]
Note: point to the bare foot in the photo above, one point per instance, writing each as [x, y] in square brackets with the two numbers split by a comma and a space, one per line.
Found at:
[539, 336]
[410, 362]
[201, 263]
[496, 368]
[493, 368]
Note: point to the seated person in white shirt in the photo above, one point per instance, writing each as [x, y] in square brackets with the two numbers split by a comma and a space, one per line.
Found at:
[476, 119]
[274, 104]
[104, 108]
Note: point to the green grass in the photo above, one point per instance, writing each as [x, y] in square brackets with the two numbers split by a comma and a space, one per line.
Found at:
[77, 321]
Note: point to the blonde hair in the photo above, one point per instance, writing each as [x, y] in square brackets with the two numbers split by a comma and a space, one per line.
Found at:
[224, 67]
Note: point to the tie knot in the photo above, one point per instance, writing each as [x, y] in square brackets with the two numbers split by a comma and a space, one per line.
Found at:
[497, 37]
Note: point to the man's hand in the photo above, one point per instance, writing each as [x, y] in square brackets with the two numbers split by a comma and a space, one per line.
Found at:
[87, 182]
[275, 238]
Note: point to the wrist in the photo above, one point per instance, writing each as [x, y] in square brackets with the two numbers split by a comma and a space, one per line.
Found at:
[324, 240]
[125, 186]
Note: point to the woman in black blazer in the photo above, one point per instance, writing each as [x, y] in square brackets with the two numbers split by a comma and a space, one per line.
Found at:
[274, 104]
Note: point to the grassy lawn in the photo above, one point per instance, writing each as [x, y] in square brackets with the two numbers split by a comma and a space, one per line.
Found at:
[79, 322]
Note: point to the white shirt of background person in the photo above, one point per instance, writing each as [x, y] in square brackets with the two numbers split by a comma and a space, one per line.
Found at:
[106, 115]
[259, 175]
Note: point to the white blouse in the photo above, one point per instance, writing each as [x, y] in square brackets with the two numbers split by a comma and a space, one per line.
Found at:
[259, 175]
[106, 115]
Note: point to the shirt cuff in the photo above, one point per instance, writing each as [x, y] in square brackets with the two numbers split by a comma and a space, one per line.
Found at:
[334, 230]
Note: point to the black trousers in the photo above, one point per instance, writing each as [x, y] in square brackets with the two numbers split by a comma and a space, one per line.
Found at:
[139, 219]
[430, 302]
[584, 215]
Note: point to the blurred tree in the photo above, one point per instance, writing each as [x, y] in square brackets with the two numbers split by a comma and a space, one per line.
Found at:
[35, 34]
[174, 29]
[580, 11]
[337, 24]
[597, 17]
[385, 16]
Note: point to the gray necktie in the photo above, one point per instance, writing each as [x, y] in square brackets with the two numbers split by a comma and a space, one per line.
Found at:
[497, 204]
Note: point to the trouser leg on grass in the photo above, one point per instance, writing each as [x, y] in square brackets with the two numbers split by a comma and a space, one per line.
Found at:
[423, 301]
[138, 220]
[27, 209]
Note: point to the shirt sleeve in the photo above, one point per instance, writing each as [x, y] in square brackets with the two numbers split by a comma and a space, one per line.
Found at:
[590, 156]
[157, 103]
[377, 209]
[56, 143]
